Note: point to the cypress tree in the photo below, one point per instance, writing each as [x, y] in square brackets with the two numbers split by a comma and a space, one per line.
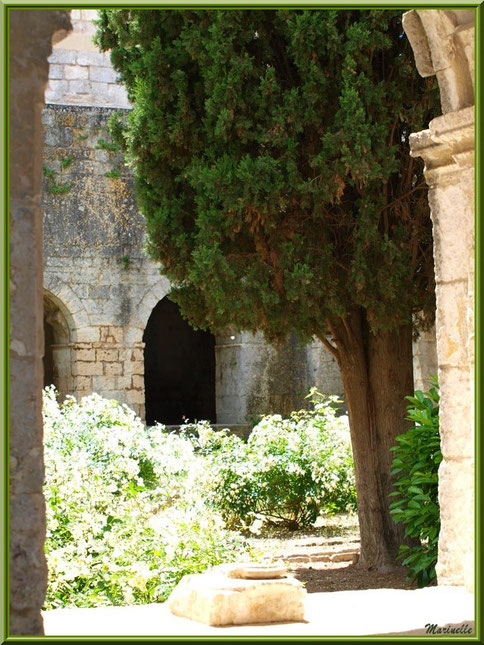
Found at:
[271, 160]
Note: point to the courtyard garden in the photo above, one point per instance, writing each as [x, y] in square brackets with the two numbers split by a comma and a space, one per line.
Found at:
[131, 508]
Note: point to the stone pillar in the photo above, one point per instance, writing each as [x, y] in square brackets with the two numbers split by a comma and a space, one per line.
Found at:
[425, 362]
[255, 378]
[443, 43]
[31, 36]
[110, 367]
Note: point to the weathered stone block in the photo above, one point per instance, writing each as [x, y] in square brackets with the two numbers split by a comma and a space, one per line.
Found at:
[88, 334]
[137, 354]
[59, 137]
[138, 382]
[101, 156]
[117, 333]
[215, 599]
[56, 72]
[99, 291]
[451, 324]
[117, 95]
[113, 369]
[60, 56]
[102, 74]
[98, 318]
[85, 27]
[73, 98]
[80, 368]
[109, 385]
[456, 411]
[75, 72]
[104, 332]
[450, 232]
[86, 355]
[107, 355]
[134, 334]
[79, 87]
[91, 58]
[137, 367]
[456, 499]
[83, 383]
[99, 384]
[100, 91]
[135, 396]
[123, 382]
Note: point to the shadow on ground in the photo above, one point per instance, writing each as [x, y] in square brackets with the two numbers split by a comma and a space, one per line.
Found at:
[344, 577]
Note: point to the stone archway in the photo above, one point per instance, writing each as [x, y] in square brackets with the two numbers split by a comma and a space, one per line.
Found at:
[179, 369]
[57, 360]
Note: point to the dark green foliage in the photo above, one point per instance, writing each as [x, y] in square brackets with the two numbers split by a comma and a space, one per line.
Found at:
[48, 172]
[66, 162]
[287, 473]
[113, 174]
[54, 187]
[417, 458]
[126, 261]
[147, 473]
[106, 145]
[272, 164]
[58, 188]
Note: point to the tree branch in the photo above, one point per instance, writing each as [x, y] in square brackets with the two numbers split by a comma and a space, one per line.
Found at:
[405, 195]
[332, 348]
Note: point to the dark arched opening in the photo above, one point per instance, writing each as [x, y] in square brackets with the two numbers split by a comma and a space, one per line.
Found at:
[179, 368]
[57, 347]
[49, 341]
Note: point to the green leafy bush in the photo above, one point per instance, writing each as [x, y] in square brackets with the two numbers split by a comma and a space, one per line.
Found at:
[288, 471]
[416, 462]
[125, 520]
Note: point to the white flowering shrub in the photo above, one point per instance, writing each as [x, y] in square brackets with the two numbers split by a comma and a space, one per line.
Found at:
[289, 470]
[125, 516]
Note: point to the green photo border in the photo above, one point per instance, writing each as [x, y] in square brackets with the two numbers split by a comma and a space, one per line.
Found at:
[6, 6]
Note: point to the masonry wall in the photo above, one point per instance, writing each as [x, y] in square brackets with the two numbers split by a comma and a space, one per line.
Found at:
[105, 285]
[425, 362]
[98, 275]
[94, 262]
[256, 378]
[79, 73]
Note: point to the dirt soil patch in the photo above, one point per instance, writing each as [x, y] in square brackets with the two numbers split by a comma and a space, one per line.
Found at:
[323, 557]
[344, 577]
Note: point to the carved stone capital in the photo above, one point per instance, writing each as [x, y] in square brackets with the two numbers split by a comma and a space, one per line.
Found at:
[447, 147]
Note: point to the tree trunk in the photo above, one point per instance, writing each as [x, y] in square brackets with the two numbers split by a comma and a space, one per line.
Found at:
[377, 374]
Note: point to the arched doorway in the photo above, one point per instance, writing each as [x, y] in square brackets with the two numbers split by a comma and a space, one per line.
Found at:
[57, 348]
[179, 368]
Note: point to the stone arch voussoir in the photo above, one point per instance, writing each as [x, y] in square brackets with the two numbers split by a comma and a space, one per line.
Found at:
[70, 305]
[143, 310]
[442, 42]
